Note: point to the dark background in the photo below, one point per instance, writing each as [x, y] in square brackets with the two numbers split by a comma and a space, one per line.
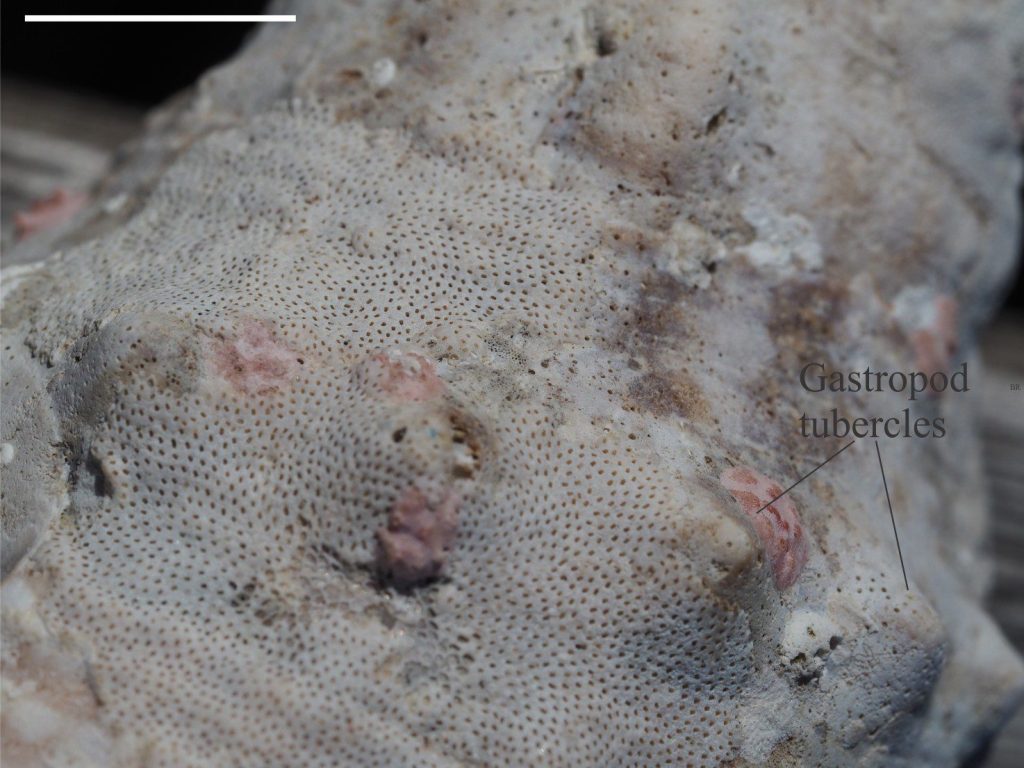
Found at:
[140, 64]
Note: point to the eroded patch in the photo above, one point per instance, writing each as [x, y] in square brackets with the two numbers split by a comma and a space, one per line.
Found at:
[936, 341]
[419, 535]
[48, 212]
[255, 362]
[777, 525]
[401, 375]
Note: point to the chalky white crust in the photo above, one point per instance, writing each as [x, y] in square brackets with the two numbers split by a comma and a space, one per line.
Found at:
[381, 422]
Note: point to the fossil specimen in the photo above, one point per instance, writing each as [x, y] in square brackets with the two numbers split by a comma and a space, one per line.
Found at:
[404, 396]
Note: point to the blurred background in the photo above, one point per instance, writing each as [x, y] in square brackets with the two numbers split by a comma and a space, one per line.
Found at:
[71, 94]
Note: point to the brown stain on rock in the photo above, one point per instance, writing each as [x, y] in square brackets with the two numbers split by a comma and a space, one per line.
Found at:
[858, 224]
[802, 322]
[654, 335]
[668, 393]
[658, 320]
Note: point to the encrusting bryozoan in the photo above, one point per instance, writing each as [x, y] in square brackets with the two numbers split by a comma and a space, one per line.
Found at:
[409, 407]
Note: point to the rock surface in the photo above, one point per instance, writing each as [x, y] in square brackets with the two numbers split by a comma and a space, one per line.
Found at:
[394, 401]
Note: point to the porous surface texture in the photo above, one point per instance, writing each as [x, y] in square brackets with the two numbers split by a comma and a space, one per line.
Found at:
[408, 394]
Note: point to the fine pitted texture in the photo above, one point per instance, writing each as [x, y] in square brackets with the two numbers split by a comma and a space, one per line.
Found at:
[409, 394]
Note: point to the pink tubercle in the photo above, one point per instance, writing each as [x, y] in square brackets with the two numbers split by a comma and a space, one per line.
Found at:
[936, 342]
[419, 535]
[404, 376]
[255, 362]
[48, 212]
[777, 524]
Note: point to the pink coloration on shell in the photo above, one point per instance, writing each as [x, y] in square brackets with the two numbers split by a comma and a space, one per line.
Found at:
[255, 362]
[48, 212]
[935, 343]
[778, 525]
[405, 376]
[415, 544]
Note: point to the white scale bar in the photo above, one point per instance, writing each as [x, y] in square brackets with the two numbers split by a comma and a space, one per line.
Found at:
[165, 17]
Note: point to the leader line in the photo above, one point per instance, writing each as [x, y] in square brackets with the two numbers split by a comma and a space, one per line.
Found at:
[794, 485]
[892, 516]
